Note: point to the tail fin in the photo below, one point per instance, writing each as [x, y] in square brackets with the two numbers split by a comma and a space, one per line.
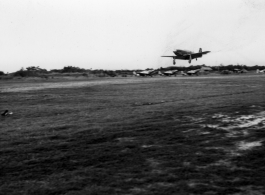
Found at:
[153, 72]
[200, 50]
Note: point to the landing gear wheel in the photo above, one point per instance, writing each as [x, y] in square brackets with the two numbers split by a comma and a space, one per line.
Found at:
[174, 62]
[190, 59]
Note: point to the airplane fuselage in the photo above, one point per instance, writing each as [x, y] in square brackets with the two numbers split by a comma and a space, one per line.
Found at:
[169, 73]
[145, 73]
[185, 55]
[182, 52]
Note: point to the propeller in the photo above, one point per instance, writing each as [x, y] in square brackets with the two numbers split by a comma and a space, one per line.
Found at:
[190, 59]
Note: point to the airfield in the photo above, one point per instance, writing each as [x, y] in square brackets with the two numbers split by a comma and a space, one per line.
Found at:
[134, 136]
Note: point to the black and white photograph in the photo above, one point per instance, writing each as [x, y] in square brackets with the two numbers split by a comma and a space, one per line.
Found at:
[132, 97]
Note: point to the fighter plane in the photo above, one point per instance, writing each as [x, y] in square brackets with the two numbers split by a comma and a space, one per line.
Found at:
[260, 71]
[145, 73]
[191, 72]
[186, 55]
[169, 73]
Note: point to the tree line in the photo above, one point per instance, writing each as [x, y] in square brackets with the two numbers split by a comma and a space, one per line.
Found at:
[68, 70]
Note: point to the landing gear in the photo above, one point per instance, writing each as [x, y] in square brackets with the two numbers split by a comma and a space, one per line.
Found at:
[190, 59]
[174, 62]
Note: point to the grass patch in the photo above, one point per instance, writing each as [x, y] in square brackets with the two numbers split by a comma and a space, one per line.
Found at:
[148, 136]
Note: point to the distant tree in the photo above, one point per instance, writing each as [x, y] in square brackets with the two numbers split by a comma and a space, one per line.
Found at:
[22, 73]
[30, 71]
[110, 73]
[36, 69]
[56, 70]
[69, 69]
[85, 74]
[32, 68]
[124, 72]
[2, 73]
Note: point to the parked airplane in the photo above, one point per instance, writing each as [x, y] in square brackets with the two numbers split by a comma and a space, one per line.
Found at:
[186, 55]
[145, 73]
[183, 73]
[260, 71]
[191, 72]
[236, 70]
[168, 73]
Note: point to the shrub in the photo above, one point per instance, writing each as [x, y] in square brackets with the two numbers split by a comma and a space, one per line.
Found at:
[21, 73]
[31, 71]
[69, 69]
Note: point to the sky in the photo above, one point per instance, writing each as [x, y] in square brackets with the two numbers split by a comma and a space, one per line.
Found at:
[129, 34]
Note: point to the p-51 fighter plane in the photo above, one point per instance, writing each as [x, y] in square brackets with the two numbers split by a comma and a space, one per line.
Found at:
[145, 73]
[186, 55]
[191, 72]
[169, 73]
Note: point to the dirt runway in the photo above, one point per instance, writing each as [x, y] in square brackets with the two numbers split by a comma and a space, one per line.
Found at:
[29, 86]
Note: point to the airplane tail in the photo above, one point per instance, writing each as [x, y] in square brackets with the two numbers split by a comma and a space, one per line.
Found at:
[200, 50]
[153, 72]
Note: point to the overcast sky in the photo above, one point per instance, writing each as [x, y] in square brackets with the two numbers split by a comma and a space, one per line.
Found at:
[129, 34]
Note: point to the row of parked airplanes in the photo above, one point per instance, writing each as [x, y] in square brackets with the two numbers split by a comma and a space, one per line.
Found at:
[188, 73]
[166, 73]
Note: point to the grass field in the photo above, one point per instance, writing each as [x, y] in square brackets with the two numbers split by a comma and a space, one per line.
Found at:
[134, 136]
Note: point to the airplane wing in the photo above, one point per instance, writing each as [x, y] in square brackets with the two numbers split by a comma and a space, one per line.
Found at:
[176, 57]
[193, 71]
